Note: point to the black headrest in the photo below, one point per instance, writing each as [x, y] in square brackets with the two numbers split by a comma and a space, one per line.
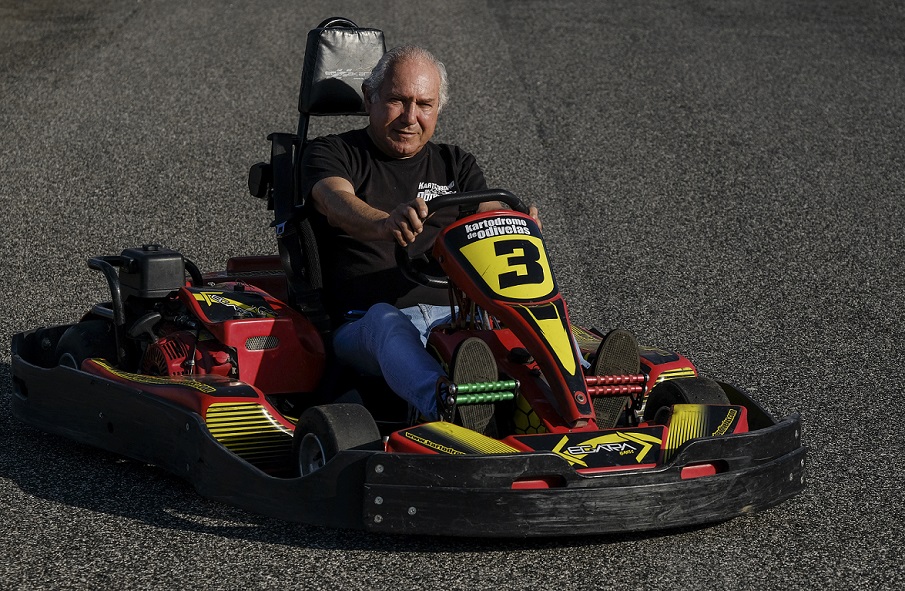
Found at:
[338, 57]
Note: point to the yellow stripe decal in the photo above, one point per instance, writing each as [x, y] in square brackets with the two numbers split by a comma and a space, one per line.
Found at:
[682, 372]
[687, 423]
[248, 430]
[472, 442]
[157, 381]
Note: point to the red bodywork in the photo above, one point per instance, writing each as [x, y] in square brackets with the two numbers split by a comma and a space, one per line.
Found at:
[277, 349]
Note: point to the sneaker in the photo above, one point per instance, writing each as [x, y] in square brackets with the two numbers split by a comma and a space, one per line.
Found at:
[617, 355]
[473, 362]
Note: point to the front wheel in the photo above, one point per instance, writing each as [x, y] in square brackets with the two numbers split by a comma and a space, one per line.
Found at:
[681, 391]
[324, 431]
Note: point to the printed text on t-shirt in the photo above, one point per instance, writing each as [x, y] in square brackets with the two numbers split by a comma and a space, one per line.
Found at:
[428, 191]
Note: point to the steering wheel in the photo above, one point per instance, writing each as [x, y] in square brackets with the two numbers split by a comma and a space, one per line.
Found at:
[414, 268]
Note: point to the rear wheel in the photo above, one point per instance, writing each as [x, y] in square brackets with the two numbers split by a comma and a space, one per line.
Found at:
[681, 391]
[324, 431]
[85, 340]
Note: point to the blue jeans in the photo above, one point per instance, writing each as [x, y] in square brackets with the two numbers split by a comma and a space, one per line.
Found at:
[389, 342]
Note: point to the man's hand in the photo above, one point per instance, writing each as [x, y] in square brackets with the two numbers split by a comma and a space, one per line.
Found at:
[494, 205]
[533, 212]
[406, 221]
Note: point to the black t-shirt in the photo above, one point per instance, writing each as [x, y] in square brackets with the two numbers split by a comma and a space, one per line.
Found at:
[359, 274]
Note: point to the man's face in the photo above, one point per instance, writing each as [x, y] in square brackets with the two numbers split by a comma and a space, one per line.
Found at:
[403, 115]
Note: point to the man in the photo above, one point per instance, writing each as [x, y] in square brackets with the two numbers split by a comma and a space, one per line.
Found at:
[369, 188]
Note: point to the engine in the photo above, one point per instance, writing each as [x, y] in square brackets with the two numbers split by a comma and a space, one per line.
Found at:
[185, 353]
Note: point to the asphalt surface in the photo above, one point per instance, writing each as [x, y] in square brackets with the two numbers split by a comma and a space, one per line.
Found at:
[724, 178]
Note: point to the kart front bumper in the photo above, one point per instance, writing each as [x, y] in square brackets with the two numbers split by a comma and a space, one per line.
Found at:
[474, 496]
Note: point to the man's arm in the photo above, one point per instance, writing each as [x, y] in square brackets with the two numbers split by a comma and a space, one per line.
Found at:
[335, 198]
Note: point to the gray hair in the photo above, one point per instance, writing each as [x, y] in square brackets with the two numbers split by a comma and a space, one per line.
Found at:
[372, 83]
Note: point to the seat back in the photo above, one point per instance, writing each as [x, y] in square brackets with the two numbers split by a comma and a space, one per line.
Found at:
[339, 56]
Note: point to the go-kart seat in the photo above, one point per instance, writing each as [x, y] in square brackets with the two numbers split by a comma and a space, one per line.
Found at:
[339, 55]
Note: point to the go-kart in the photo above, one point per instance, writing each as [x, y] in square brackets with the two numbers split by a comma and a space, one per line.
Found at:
[226, 379]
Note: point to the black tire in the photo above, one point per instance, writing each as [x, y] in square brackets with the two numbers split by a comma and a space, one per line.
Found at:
[324, 431]
[86, 340]
[681, 391]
